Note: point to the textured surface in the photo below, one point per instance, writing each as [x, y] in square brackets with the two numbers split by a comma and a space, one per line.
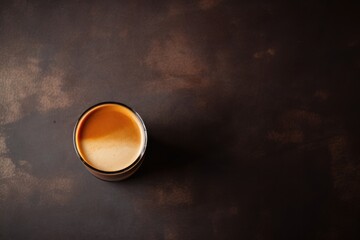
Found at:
[252, 110]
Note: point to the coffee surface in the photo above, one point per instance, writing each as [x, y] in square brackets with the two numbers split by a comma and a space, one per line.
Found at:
[109, 137]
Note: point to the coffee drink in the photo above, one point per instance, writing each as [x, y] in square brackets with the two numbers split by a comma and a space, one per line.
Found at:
[110, 138]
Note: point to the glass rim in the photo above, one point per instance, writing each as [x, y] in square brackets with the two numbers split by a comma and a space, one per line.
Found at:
[117, 172]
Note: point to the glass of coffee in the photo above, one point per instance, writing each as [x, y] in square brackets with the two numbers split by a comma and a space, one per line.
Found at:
[110, 139]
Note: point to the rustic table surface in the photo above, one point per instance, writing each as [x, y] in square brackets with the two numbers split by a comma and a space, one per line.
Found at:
[251, 108]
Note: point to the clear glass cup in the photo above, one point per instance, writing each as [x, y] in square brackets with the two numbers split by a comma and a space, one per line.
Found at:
[96, 153]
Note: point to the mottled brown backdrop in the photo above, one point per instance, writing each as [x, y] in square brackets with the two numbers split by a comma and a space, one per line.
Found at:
[252, 109]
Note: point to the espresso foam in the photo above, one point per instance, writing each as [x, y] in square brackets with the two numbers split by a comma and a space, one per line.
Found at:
[110, 137]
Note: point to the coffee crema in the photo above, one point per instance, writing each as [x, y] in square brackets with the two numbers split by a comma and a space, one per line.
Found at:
[110, 137]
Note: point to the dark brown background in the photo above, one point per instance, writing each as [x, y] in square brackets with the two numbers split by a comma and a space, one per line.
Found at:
[252, 110]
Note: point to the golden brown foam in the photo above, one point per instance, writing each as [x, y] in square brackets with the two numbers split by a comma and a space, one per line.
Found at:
[110, 137]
